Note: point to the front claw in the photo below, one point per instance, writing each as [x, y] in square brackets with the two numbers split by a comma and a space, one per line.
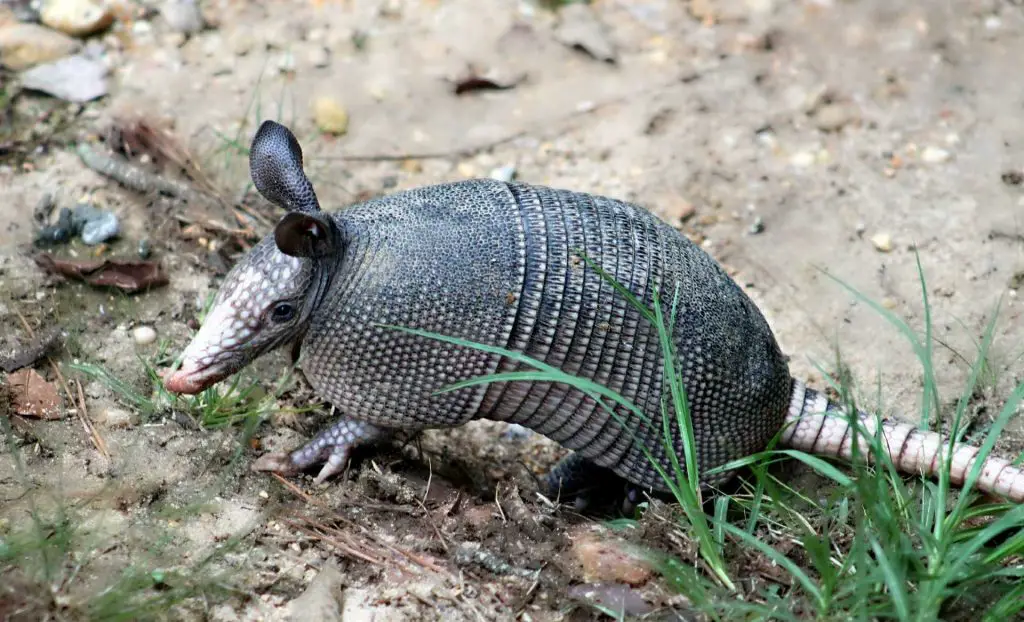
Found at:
[278, 462]
[332, 447]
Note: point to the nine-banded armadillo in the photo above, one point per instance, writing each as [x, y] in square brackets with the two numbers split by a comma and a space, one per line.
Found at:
[499, 263]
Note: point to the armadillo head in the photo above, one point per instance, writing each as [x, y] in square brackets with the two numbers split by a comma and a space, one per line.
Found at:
[266, 299]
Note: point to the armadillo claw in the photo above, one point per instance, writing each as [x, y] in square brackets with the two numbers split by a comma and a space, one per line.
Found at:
[277, 462]
[331, 446]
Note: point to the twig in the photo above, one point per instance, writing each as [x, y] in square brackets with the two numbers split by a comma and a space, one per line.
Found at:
[343, 546]
[83, 415]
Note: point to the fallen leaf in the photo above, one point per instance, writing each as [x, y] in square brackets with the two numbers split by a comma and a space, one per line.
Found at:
[128, 275]
[33, 395]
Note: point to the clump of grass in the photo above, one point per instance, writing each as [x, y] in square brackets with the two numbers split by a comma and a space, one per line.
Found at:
[42, 562]
[871, 549]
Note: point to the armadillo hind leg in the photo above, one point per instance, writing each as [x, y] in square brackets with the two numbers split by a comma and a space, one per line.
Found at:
[576, 479]
[331, 446]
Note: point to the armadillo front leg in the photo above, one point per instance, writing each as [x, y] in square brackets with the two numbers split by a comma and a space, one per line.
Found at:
[332, 446]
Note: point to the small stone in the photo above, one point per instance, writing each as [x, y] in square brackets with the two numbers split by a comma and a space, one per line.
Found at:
[285, 62]
[330, 116]
[756, 227]
[78, 18]
[95, 225]
[580, 28]
[242, 42]
[504, 173]
[606, 558]
[833, 117]
[935, 155]
[1013, 177]
[322, 599]
[76, 79]
[882, 242]
[412, 166]
[27, 45]
[466, 169]
[145, 249]
[319, 56]
[118, 418]
[144, 335]
[802, 159]
[182, 16]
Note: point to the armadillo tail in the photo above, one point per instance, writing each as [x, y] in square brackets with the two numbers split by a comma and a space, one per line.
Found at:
[819, 426]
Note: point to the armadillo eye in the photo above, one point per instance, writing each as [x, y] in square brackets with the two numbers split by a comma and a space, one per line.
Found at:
[282, 312]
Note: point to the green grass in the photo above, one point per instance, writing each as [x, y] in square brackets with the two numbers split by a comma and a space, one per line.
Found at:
[873, 545]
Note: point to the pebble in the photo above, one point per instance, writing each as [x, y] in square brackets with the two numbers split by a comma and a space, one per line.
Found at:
[504, 173]
[319, 56]
[145, 249]
[78, 18]
[118, 418]
[833, 117]
[581, 28]
[95, 225]
[76, 79]
[144, 335]
[802, 159]
[182, 16]
[935, 155]
[330, 116]
[606, 558]
[882, 242]
[26, 45]
[59, 233]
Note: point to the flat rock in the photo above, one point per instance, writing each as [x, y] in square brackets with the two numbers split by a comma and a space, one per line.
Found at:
[26, 45]
[75, 79]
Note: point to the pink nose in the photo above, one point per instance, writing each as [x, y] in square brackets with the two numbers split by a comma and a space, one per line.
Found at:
[184, 381]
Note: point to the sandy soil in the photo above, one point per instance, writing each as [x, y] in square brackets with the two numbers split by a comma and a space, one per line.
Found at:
[792, 136]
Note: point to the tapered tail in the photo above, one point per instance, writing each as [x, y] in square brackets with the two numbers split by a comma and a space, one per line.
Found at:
[819, 426]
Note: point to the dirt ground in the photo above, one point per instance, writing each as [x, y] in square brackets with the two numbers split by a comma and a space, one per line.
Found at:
[789, 138]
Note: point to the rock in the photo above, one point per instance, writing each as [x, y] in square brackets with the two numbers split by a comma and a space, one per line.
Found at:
[935, 155]
[75, 79]
[79, 18]
[321, 602]
[26, 45]
[802, 159]
[118, 418]
[833, 117]
[504, 173]
[59, 233]
[319, 56]
[182, 16]
[330, 116]
[611, 596]
[882, 242]
[144, 335]
[94, 225]
[581, 29]
[607, 558]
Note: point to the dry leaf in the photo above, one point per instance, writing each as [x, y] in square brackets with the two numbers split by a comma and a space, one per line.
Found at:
[33, 395]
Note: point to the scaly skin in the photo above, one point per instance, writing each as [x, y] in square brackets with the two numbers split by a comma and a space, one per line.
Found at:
[496, 263]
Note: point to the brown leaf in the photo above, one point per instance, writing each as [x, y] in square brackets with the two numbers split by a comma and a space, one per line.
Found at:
[33, 395]
[128, 275]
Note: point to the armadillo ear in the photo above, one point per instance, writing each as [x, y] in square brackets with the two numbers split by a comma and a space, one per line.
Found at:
[304, 235]
[275, 165]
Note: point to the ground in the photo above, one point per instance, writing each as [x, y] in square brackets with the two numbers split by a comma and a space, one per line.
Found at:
[793, 140]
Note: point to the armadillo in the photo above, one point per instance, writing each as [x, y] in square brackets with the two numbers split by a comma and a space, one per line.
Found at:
[499, 263]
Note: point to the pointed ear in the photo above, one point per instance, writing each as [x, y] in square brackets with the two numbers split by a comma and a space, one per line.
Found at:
[275, 165]
[305, 235]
